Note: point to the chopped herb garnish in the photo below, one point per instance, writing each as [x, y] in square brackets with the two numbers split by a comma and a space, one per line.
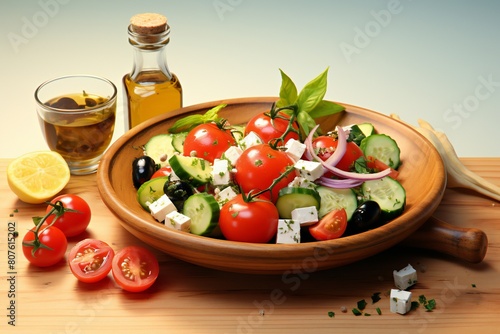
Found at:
[331, 314]
[378, 311]
[356, 312]
[362, 304]
[367, 314]
[414, 305]
[473, 285]
[375, 297]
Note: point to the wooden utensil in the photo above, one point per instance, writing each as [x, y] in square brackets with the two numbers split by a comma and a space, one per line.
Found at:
[469, 244]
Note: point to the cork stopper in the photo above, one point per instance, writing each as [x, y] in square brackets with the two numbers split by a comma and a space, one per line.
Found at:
[148, 23]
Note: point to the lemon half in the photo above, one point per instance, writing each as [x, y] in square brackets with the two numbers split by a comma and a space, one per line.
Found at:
[37, 177]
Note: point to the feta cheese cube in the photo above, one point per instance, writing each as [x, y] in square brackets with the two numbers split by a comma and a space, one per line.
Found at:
[225, 195]
[400, 301]
[310, 170]
[161, 207]
[178, 221]
[301, 182]
[251, 139]
[232, 154]
[288, 232]
[295, 149]
[405, 278]
[305, 216]
[220, 172]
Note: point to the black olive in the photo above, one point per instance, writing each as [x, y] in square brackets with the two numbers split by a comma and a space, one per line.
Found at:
[142, 170]
[365, 217]
[178, 192]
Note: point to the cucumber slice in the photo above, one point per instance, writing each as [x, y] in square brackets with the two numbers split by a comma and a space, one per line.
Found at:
[150, 191]
[367, 129]
[204, 211]
[160, 148]
[178, 141]
[195, 170]
[383, 148]
[333, 199]
[388, 193]
[291, 198]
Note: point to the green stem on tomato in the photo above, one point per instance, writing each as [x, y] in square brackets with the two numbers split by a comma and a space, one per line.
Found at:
[252, 196]
[275, 113]
[58, 209]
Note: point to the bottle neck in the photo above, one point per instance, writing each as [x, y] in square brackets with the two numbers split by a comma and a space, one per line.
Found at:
[150, 60]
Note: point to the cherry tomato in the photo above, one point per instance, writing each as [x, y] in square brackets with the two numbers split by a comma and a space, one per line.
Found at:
[163, 171]
[54, 245]
[378, 166]
[71, 223]
[268, 129]
[254, 221]
[135, 268]
[208, 141]
[325, 146]
[90, 260]
[258, 166]
[331, 226]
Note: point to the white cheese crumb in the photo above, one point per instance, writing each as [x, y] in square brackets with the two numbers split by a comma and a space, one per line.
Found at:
[305, 216]
[310, 170]
[405, 278]
[288, 232]
[295, 149]
[400, 301]
[161, 207]
[178, 221]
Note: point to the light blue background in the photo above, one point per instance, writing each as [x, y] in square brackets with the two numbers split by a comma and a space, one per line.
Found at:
[436, 60]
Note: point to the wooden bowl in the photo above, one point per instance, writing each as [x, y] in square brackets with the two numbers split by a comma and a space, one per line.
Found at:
[422, 174]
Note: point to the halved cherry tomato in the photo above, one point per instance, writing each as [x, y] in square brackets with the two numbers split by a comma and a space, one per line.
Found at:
[325, 146]
[378, 166]
[90, 260]
[208, 141]
[71, 223]
[54, 245]
[331, 226]
[268, 129]
[135, 268]
[163, 171]
[254, 221]
[258, 166]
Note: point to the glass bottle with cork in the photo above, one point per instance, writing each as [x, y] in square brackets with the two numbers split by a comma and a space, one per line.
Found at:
[150, 88]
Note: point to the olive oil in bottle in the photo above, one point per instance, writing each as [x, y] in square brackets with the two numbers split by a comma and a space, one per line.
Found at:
[150, 88]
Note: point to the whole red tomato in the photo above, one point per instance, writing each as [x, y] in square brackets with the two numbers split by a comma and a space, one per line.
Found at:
[258, 166]
[208, 141]
[52, 245]
[71, 223]
[268, 128]
[325, 146]
[254, 221]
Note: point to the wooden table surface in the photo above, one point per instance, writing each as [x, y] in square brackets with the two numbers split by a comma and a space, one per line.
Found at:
[191, 299]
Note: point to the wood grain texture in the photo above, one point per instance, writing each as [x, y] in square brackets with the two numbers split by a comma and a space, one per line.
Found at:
[193, 299]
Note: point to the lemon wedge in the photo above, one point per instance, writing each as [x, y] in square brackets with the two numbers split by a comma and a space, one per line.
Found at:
[37, 177]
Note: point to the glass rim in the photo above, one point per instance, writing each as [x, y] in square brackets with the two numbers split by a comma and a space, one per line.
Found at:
[80, 111]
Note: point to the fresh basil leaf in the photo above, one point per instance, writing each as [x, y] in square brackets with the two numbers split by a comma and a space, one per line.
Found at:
[189, 122]
[288, 91]
[313, 92]
[325, 108]
[306, 122]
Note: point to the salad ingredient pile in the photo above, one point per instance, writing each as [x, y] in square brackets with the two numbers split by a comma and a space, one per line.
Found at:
[279, 178]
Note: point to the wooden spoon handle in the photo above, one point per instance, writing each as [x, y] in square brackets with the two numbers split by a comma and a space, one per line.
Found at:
[469, 244]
